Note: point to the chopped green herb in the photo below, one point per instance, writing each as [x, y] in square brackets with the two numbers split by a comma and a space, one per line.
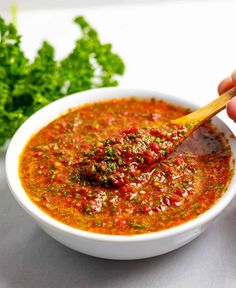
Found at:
[88, 208]
[76, 176]
[196, 205]
[137, 225]
[55, 191]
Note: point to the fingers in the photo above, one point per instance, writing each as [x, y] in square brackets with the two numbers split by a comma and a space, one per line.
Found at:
[231, 106]
[226, 84]
[231, 109]
[233, 76]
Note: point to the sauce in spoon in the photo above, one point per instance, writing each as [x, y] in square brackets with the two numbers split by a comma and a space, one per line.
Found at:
[118, 160]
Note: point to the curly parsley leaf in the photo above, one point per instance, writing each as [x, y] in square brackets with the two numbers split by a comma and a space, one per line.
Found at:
[27, 86]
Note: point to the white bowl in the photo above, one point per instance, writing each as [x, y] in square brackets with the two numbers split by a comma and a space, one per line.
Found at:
[100, 245]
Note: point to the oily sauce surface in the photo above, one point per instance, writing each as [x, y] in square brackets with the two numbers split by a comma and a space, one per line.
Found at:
[176, 190]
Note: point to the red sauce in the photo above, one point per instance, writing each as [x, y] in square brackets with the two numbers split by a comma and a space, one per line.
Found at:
[118, 160]
[179, 188]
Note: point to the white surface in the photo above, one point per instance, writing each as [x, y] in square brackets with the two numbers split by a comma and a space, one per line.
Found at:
[108, 246]
[179, 47]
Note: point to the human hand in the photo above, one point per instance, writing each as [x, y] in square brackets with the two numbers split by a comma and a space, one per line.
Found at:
[225, 85]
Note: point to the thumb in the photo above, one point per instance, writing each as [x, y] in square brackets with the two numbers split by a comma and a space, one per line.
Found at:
[231, 106]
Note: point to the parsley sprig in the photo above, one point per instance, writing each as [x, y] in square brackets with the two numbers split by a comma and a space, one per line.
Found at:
[27, 86]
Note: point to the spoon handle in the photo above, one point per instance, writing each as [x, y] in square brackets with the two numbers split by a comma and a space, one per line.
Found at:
[199, 116]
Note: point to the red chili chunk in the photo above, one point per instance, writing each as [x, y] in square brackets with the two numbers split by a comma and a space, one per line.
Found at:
[61, 165]
[118, 160]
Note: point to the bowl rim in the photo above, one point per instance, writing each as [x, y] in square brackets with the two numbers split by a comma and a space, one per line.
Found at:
[109, 93]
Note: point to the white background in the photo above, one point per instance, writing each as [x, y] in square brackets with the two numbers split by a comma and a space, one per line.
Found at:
[183, 48]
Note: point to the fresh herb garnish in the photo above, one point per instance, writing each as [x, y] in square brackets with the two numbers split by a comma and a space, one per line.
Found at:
[27, 86]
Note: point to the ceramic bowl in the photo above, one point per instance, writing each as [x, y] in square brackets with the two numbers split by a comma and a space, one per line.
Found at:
[100, 245]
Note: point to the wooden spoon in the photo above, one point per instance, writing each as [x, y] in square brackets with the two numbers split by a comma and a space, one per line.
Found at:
[201, 115]
[118, 159]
